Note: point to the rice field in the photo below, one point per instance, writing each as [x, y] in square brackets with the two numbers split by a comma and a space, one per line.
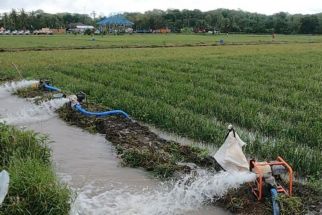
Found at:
[271, 92]
[15, 42]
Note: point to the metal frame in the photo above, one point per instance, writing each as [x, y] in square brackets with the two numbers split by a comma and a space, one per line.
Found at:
[257, 187]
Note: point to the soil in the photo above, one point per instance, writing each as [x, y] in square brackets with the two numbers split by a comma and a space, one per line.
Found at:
[242, 201]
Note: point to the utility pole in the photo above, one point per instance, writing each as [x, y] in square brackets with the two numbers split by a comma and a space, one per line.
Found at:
[93, 14]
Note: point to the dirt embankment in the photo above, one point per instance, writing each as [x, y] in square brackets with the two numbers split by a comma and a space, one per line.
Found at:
[137, 146]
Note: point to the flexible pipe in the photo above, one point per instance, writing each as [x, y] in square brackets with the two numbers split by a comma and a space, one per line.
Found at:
[51, 88]
[275, 206]
[79, 108]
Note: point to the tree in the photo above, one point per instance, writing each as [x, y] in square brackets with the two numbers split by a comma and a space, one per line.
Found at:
[23, 19]
[6, 21]
[13, 19]
[281, 23]
[309, 24]
[295, 23]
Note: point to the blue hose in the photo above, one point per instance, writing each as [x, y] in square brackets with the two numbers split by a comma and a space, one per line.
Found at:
[79, 108]
[51, 88]
[275, 206]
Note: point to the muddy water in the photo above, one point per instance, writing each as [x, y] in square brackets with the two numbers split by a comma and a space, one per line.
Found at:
[89, 165]
[84, 157]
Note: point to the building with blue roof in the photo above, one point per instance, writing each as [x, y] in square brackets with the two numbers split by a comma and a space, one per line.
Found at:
[117, 20]
[116, 24]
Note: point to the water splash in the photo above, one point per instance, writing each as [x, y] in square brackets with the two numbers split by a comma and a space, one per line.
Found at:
[34, 113]
[180, 197]
[10, 87]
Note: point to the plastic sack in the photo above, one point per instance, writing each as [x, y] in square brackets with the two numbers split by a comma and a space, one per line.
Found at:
[4, 184]
[230, 155]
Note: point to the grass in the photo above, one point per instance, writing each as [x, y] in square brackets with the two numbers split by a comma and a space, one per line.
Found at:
[139, 40]
[270, 91]
[34, 188]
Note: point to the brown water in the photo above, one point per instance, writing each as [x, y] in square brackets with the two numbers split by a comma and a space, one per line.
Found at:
[89, 165]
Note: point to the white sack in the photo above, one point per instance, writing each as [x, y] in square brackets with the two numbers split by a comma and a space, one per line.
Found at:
[4, 185]
[230, 155]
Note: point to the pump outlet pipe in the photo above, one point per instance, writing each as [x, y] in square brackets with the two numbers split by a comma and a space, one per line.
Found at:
[275, 206]
[79, 108]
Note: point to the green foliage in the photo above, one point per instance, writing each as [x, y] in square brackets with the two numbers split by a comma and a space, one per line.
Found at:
[134, 157]
[88, 32]
[22, 145]
[34, 188]
[157, 162]
[187, 30]
[164, 170]
[309, 24]
[16, 20]
[290, 205]
[223, 20]
[316, 185]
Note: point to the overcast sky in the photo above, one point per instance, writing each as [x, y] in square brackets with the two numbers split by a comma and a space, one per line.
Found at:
[107, 7]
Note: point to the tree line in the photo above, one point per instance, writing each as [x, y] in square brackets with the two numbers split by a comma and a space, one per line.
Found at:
[34, 20]
[225, 20]
[222, 20]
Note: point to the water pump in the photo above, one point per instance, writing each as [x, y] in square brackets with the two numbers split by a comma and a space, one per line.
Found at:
[81, 96]
[269, 173]
[268, 181]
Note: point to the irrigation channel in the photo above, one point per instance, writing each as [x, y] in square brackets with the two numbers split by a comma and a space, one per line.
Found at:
[88, 164]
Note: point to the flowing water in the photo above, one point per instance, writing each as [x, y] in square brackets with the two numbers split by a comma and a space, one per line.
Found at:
[212, 148]
[89, 165]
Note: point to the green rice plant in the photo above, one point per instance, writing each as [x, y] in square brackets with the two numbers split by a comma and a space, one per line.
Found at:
[9, 43]
[272, 90]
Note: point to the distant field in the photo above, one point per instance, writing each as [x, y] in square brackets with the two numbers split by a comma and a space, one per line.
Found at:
[272, 91]
[15, 42]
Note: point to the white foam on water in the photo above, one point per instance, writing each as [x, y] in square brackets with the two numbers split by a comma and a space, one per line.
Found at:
[180, 197]
[10, 87]
[34, 113]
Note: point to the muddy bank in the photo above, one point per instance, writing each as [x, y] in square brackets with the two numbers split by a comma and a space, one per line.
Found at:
[137, 146]
[34, 93]
[305, 200]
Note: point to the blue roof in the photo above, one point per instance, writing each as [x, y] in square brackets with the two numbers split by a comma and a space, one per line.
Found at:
[115, 20]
